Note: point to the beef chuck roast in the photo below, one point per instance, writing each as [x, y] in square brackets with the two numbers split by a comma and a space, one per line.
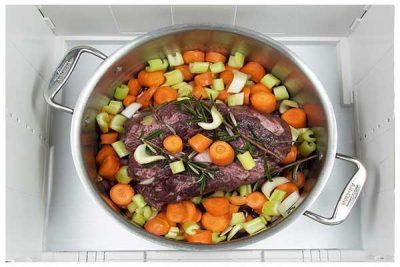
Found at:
[159, 186]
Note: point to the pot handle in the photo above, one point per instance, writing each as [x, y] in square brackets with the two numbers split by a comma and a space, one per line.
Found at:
[63, 72]
[348, 197]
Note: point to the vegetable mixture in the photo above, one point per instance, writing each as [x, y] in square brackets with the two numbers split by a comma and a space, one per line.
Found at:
[207, 80]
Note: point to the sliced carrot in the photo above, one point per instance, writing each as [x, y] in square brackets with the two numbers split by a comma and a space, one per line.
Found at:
[238, 200]
[151, 79]
[215, 224]
[204, 79]
[164, 94]
[256, 200]
[199, 142]
[233, 209]
[134, 87]
[105, 150]
[223, 95]
[216, 206]
[309, 184]
[263, 102]
[221, 153]
[291, 156]
[110, 203]
[145, 97]
[259, 87]
[157, 226]
[248, 217]
[227, 77]
[215, 57]
[246, 92]
[162, 215]
[108, 138]
[121, 194]
[176, 212]
[295, 117]
[190, 211]
[109, 167]
[187, 75]
[193, 56]
[199, 92]
[129, 99]
[300, 178]
[173, 144]
[197, 217]
[201, 236]
[288, 188]
[255, 70]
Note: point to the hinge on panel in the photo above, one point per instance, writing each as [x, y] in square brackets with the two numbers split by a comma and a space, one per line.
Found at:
[357, 20]
[46, 19]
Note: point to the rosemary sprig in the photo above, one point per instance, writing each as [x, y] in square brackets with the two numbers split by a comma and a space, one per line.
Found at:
[294, 164]
[154, 134]
[267, 173]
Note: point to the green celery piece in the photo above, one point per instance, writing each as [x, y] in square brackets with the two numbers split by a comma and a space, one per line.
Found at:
[122, 175]
[121, 92]
[120, 148]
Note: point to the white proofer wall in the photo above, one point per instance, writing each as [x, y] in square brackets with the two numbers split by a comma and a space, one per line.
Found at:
[34, 49]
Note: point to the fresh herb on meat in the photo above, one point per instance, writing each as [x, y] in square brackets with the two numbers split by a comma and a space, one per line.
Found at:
[267, 173]
[152, 135]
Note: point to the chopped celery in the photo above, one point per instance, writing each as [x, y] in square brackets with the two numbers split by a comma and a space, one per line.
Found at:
[270, 185]
[234, 231]
[173, 77]
[179, 85]
[266, 218]
[121, 92]
[286, 104]
[217, 67]
[307, 135]
[217, 120]
[139, 200]
[113, 107]
[132, 207]
[244, 190]
[138, 219]
[236, 99]
[190, 227]
[147, 212]
[157, 64]
[218, 84]
[270, 81]
[173, 232]
[177, 167]
[246, 160]
[254, 226]
[199, 67]
[295, 133]
[281, 93]
[236, 61]
[120, 148]
[277, 195]
[182, 98]
[122, 175]
[270, 208]
[139, 210]
[218, 194]
[175, 60]
[103, 120]
[147, 120]
[237, 218]
[196, 200]
[142, 157]
[211, 94]
[185, 90]
[117, 123]
[238, 82]
[216, 238]
[131, 109]
[306, 148]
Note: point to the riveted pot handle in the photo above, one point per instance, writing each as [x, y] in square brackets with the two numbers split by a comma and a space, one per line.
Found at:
[348, 197]
[63, 72]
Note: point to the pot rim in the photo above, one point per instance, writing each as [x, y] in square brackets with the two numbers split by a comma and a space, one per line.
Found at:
[101, 70]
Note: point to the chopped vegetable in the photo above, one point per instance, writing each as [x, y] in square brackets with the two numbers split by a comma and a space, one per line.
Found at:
[295, 117]
[147, 120]
[142, 157]
[105, 151]
[227, 77]
[219, 193]
[307, 135]
[120, 148]
[291, 156]
[259, 87]
[211, 94]
[203, 79]
[117, 123]
[238, 82]
[306, 148]
[193, 56]
[217, 67]
[255, 70]
[218, 84]
[184, 89]
[151, 79]
[199, 142]
[201, 236]
[139, 201]
[157, 226]
[134, 87]
[288, 203]
[164, 94]
[190, 228]
[175, 60]
[217, 238]
[246, 95]
[121, 92]
[281, 93]
[176, 212]
[263, 102]
[121, 194]
[129, 99]
[172, 233]
[177, 167]
[138, 219]
[221, 153]
[173, 144]
[145, 97]
[268, 186]
[217, 120]
[187, 75]
[237, 218]
[270, 81]
[270, 208]
[286, 105]
[109, 167]
[191, 213]
[173, 77]
[215, 57]
[215, 223]
[237, 200]
[147, 212]
[244, 190]
[278, 195]
[132, 207]
[254, 225]
[236, 99]
[223, 95]
[103, 120]
[203, 156]
[113, 107]
[216, 206]
[236, 61]
[255, 200]
[300, 178]
[108, 138]
[288, 188]
[234, 231]
[130, 110]
[199, 92]
[157, 64]
[246, 160]
[199, 67]
[196, 200]
[122, 175]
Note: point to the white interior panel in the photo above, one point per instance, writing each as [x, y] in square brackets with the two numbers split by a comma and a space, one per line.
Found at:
[203, 14]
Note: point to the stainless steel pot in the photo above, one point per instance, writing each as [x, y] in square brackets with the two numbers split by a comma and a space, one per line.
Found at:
[117, 68]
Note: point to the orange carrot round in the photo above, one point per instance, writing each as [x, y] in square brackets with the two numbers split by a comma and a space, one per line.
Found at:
[157, 226]
[263, 102]
[256, 200]
[295, 117]
[233, 209]
[259, 87]
[203, 79]
[288, 188]
[151, 79]
[309, 184]
[193, 56]
[201, 236]
[105, 151]
[173, 144]
[246, 92]
[187, 75]
[216, 206]
[221, 153]
[129, 99]
[108, 138]
[199, 142]
[109, 167]
[134, 86]
[121, 194]
[300, 178]
[190, 211]
[255, 70]
[176, 212]
[291, 156]
[164, 94]
[223, 95]
[215, 224]
[197, 217]
[145, 97]
[214, 57]
[227, 77]
[162, 215]
[199, 92]
[238, 200]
